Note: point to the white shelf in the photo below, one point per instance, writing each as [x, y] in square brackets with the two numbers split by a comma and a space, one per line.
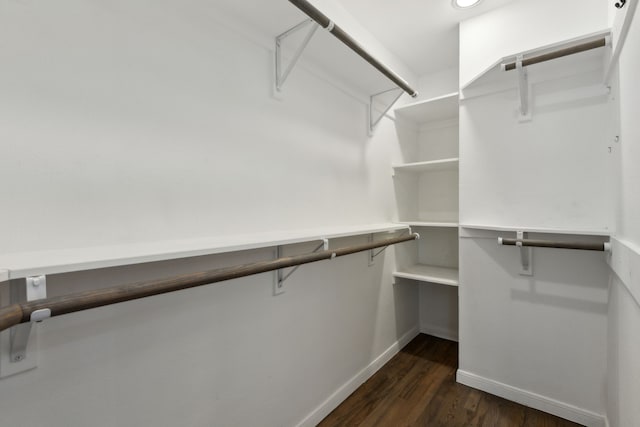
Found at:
[430, 166]
[20, 265]
[429, 273]
[494, 72]
[431, 110]
[430, 224]
[549, 230]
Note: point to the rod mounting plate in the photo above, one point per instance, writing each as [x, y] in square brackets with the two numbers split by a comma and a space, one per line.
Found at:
[526, 255]
[14, 343]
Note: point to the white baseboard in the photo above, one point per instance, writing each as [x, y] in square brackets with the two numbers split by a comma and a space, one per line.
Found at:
[532, 400]
[350, 386]
[439, 332]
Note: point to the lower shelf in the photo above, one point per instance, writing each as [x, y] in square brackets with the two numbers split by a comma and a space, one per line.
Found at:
[429, 273]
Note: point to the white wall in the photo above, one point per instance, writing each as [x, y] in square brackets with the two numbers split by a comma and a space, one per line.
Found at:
[550, 172]
[524, 25]
[159, 124]
[624, 291]
[629, 64]
[539, 340]
[437, 84]
[135, 121]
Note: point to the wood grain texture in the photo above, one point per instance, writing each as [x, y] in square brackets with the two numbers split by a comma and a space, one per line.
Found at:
[553, 244]
[10, 316]
[559, 53]
[418, 388]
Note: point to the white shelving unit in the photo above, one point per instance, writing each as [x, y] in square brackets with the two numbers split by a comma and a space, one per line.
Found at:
[431, 110]
[427, 193]
[429, 273]
[429, 166]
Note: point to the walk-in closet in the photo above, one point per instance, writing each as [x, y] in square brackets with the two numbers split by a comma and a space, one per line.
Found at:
[319, 212]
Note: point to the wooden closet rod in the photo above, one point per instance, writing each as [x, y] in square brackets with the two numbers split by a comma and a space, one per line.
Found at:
[550, 244]
[345, 38]
[21, 313]
[559, 53]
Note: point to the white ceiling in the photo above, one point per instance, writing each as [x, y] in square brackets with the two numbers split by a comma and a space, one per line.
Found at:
[422, 33]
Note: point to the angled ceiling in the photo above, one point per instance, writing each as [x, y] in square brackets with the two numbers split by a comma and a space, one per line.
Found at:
[422, 33]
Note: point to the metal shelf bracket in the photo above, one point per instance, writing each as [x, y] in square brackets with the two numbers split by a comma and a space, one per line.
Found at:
[282, 71]
[373, 99]
[526, 255]
[524, 91]
[282, 74]
[14, 342]
[373, 255]
[280, 277]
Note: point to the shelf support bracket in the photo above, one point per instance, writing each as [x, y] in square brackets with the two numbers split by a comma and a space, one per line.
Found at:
[281, 277]
[282, 74]
[523, 90]
[526, 255]
[373, 99]
[373, 255]
[18, 338]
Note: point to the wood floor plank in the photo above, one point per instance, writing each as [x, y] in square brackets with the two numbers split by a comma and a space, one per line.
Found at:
[418, 388]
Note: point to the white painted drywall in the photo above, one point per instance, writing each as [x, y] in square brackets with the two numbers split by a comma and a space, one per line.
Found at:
[543, 335]
[623, 339]
[524, 25]
[550, 172]
[136, 121]
[437, 84]
[154, 125]
[439, 310]
[629, 227]
[539, 340]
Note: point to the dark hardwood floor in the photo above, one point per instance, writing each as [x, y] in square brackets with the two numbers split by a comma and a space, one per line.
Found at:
[418, 388]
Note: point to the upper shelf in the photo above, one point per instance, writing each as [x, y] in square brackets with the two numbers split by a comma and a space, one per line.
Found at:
[430, 166]
[348, 63]
[551, 60]
[546, 230]
[431, 110]
[430, 224]
[20, 265]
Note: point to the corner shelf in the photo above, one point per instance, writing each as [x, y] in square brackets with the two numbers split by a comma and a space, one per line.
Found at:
[429, 273]
[431, 110]
[493, 75]
[430, 166]
[427, 193]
